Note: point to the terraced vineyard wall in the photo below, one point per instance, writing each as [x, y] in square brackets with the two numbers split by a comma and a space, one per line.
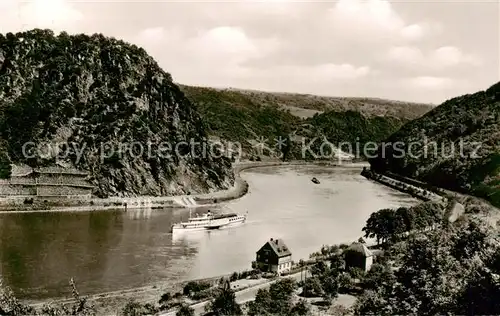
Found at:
[46, 183]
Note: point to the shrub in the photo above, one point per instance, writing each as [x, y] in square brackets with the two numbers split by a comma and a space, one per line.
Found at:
[356, 273]
[201, 295]
[224, 303]
[185, 310]
[165, 298]
[312, 288]
[235, 276]
[195, 286]
[345, 282]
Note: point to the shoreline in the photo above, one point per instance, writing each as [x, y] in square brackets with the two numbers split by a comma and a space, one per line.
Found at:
[400, 185]
[107, 302]
[417, 188]
[111, 302]
[238, 190]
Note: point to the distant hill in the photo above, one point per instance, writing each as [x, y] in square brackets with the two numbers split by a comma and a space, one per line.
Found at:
[463, 146]
[306, 105]
[242, 115]
[94, 91]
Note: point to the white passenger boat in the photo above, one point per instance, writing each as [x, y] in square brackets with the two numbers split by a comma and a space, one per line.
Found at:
[209, 221]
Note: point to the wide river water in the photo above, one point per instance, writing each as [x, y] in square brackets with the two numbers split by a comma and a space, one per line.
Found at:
[114, 250]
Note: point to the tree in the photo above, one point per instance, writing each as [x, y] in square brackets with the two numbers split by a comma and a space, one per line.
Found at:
[185, 310]
[345, 282]
[262, 305]
[337, 262]
[81, 307]
[356, 273]
[234, 276]
[277, 300]
[319, 268]
[372, 303]
[480, 296]
[380, 225]
[9, 305]
[379, 275]
[224, 303]
[405, 219]
[301, 308]
[312, 287]
[434, 278]
[286, 146]
[165, 298]
[195, 286]
[468, 242]
[330, 285]
[281, 293]
[5, 167]
[132, 308]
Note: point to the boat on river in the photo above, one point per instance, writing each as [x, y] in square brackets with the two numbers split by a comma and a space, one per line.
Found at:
[315, 180]
[209, 221]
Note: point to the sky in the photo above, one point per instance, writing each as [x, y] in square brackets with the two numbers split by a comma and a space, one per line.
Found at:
[422, 51]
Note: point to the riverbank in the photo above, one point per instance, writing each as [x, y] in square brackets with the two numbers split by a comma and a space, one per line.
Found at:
[239, 189]
[417, 191]
[108, 302]
[425, 192]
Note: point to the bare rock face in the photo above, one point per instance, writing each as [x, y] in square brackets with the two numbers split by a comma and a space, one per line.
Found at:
[106, 107]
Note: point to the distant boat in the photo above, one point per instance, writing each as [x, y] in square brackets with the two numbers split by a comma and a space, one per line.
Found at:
[209, 221]
[314, 180]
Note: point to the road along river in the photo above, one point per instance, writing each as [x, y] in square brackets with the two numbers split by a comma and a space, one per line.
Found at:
[114, 250]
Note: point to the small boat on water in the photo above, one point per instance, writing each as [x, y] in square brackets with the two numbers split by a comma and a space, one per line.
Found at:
[314, 180]
[209, 221]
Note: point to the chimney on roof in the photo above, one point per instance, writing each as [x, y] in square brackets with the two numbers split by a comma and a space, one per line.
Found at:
[276, 241]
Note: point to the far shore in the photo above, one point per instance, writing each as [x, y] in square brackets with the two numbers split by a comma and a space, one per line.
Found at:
[239, 189]
[107, 303]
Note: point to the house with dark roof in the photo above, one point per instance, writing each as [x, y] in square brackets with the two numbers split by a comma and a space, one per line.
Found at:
[273, 256]
[357, 255]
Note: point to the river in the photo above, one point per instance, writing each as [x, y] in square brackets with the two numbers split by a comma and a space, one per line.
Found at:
[113, 250]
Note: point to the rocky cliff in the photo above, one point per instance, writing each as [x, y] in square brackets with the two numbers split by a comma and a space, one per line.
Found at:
[103, 106]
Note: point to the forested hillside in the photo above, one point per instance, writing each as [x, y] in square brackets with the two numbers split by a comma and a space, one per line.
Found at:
[455, 146]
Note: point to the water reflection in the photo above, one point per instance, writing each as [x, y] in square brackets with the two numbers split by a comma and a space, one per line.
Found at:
[189, 238]
[139, 213]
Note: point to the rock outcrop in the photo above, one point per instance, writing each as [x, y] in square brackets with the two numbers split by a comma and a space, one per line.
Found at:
[106, 107]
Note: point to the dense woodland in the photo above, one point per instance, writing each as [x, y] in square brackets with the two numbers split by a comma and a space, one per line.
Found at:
[243, 117]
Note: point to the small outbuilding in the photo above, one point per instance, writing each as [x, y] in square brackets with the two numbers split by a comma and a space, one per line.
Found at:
[357, 255]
